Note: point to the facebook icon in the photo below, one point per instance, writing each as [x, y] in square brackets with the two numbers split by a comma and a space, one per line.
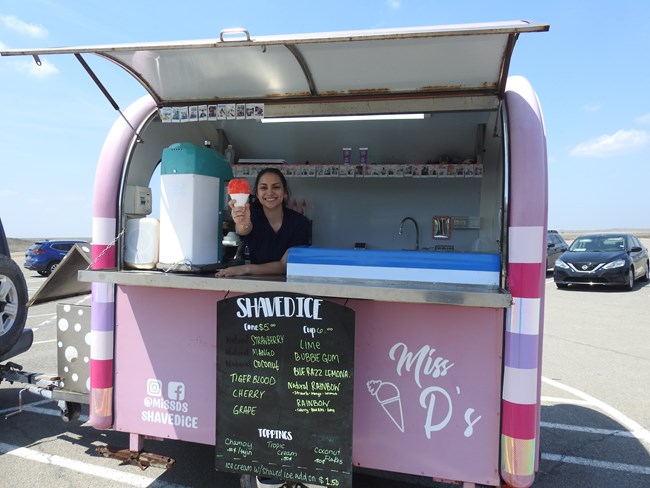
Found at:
[176, 391]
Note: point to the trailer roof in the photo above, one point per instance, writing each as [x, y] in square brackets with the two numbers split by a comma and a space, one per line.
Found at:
[451, 60]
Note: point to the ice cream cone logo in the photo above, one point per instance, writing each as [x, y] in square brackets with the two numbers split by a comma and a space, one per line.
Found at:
[388, 396]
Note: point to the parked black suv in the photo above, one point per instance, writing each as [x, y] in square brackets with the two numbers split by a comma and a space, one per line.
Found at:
[13, 304]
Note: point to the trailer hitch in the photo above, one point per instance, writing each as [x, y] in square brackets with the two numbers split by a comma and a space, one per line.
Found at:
[142, 459]
[20, 404]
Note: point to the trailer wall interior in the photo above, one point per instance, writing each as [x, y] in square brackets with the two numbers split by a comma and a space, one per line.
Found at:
[338, 206]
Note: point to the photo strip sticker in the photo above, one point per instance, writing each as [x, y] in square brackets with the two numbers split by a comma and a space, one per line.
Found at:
[184, 113]
[165, 114]
[194, 113]
[259, 110]
[176, 114]
[254, 110]
[222, 111]
[240, 111]
[203, 112]
[212, 112]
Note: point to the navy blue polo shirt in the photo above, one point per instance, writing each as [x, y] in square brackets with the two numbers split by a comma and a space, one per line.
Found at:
[265, 245]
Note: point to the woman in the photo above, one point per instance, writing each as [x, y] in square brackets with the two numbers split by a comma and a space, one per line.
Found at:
[268, 227]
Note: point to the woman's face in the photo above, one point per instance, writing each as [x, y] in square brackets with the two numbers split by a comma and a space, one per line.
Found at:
[270, 191]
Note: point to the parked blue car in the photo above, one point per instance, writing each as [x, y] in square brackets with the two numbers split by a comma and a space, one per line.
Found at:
[44, 256]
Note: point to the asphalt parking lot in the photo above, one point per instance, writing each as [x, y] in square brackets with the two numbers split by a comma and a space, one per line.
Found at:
[595, 416]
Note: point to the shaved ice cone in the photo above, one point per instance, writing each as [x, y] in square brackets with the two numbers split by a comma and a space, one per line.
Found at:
[239, 190]
[240, 199]
[388, 396]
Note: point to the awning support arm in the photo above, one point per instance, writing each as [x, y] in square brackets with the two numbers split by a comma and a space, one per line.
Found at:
[305, 68]
[106, 94]
[505, 65]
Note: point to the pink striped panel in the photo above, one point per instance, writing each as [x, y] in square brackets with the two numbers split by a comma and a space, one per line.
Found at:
[519, 420]
[526, 273]
[524, 279]
[101, 373]
[108, 178]
[518, 465]
[107, 260]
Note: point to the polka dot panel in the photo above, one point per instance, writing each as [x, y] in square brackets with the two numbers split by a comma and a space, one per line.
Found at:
[73, 349]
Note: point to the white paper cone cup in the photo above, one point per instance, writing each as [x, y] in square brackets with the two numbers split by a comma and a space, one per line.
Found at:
[240, 199]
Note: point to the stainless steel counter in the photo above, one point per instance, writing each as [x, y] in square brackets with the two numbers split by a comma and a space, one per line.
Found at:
[386, 291]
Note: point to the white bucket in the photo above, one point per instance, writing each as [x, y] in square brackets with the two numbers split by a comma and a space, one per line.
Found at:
[141, 239]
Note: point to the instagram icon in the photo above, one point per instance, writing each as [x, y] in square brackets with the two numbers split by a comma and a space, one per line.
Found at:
[154, 387]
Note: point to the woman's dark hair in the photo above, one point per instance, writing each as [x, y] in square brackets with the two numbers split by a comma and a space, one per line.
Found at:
[279, 174]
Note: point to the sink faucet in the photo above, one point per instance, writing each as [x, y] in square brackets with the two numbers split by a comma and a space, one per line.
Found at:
[417, 231]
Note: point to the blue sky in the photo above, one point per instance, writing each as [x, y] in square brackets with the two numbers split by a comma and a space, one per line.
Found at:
[590, 71]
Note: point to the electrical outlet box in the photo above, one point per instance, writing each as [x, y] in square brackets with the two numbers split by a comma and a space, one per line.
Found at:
[137, 200]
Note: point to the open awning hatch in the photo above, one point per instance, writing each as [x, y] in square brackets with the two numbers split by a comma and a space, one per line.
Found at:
[466, 60]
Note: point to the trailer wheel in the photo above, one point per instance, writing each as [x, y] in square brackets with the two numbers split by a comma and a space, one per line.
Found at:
[70, 411]
[13, 303]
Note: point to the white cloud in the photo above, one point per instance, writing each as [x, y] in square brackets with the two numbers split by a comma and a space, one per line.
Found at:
[643, 119]
[3, 45]
[71, 198]
[591, 107]
[28, 66]
[394, 4]
[610, 145]
[8, 193]
[15, 24]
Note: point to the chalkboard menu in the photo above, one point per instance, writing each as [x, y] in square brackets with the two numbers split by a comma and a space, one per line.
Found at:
[285, 387]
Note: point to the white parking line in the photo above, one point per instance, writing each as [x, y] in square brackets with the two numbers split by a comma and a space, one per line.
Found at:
[636, 429]
[33, 316]
[594, 463]
[572, 401]
[588, 430]
[85, 468]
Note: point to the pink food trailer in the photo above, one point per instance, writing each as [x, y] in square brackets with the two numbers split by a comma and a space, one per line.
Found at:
[422, 166]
